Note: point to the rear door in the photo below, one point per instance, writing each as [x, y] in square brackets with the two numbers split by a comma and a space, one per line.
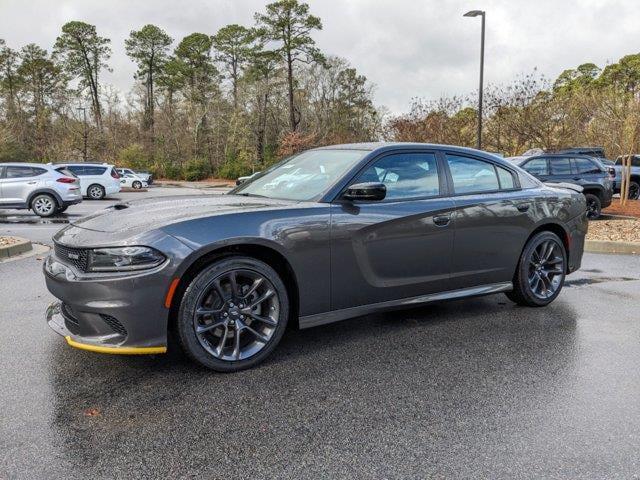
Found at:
[560, 170]
[399, 247]
[491, 219]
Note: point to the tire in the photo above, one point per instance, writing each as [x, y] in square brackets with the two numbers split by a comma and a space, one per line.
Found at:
[594, 206]
[634, 190]
[137, 185]
[44, 205]
[524, 293]
[95, 192]
[215, 346]
[62, 209]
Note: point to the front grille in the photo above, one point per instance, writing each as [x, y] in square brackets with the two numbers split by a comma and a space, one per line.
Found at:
[78, 257]
[114, 323]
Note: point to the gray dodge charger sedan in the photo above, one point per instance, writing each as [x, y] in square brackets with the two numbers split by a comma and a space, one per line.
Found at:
[327, 234]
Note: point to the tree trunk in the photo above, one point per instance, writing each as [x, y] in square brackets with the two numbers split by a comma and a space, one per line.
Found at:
[293, 122]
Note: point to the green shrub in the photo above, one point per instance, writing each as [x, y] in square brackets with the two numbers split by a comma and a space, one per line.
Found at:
[196, 169]
[134, 156]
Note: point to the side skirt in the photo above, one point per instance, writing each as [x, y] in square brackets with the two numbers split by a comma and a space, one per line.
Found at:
[337, 315]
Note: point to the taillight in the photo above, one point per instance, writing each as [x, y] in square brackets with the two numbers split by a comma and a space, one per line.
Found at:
[66, 180]
[114, 174]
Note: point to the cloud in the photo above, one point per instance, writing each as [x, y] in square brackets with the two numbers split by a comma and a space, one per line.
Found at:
[407, 48]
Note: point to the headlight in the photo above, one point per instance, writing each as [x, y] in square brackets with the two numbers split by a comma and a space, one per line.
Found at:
[123, 258]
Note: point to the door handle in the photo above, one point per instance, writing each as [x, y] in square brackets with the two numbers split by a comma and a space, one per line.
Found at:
[31, 183]
[441, 220]
[523, 207]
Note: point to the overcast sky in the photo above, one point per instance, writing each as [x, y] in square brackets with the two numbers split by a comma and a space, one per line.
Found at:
[407, 48]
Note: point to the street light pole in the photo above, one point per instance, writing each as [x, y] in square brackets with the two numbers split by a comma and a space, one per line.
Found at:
[481, 13]
[85, 134]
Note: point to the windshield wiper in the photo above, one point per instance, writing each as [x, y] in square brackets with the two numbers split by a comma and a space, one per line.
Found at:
[250, 195]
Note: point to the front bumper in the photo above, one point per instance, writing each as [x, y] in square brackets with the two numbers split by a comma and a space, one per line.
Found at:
[109, 313]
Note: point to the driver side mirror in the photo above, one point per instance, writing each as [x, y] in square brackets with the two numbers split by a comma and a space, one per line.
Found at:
[366, 191]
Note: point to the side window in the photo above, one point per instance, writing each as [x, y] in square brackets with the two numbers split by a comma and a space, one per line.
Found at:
[506, 178]
[471, 175]
[21, 172]
[76, 169]
[39, 171]
[406, 175]
[635, 161]
[560, 166]
[584, 166]
[537, 166]
[94, 170]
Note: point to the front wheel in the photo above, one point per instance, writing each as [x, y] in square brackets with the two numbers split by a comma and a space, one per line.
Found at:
[233, 314]
[137, 185]
[634, 190]
[594, 206]
[541, 271]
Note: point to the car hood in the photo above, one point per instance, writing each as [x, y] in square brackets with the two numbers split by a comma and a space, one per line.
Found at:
[153, 213]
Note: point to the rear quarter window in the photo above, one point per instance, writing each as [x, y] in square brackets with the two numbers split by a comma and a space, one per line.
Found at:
[585, 166]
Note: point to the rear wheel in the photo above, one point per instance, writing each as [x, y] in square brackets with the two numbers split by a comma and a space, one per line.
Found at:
[634, 190]
[541, 271]
[95, 192]
[594, 206]
[233, 314]
[44, 205]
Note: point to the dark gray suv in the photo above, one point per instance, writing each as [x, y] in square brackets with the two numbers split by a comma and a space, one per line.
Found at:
[325, 235]
[587, 172]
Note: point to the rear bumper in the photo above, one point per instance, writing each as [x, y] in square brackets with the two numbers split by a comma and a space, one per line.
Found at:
[577, 231]
[111, 189]
[67, 203]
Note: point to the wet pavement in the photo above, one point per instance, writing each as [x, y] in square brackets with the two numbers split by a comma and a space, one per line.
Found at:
[476, 388]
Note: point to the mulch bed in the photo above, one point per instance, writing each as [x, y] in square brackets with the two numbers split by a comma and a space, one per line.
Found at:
[4, 241]
[614, 229]
[631, 209]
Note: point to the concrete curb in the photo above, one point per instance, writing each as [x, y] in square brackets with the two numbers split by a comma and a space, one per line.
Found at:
[22, 245]
[608, 246]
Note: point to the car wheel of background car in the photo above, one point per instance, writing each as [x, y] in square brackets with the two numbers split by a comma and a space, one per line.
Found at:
[541, 270]
[594, 206]
[233, 314]
[44, 205]
[137, 185]
[634, 190]
[95, 192]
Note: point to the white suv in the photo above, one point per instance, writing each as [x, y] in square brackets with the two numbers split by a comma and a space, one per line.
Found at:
[97, 180]
[45, 189]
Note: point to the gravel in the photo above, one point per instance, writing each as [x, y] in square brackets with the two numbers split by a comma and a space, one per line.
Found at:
[614, 229]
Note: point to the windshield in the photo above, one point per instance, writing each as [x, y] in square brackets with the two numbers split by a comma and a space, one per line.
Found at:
[305, 176]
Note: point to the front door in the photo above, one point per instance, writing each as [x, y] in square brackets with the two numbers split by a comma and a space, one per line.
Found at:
[399, 247]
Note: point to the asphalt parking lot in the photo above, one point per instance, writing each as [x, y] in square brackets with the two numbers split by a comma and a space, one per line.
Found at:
[477, 388]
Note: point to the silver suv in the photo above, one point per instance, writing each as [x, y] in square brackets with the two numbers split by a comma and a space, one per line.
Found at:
[45, 189]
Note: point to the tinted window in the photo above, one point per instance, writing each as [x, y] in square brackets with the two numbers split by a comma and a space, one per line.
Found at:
[406, 175]
[90, 170]
[560, 166]
[76, 169]
[537, 166]
[22, 172]
[506, 178]
[471, 175]
[584, 165]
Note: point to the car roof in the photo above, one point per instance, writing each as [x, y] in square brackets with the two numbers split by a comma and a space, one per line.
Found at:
[379, 147]
[82, 164]
[25, 164]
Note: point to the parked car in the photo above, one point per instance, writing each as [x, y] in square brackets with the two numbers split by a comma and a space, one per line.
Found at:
[131, 180]
[97, 180]
[634, 183]
[41, 188]
[597, 152]
[587, 172]
[359, 229]
[145, 176]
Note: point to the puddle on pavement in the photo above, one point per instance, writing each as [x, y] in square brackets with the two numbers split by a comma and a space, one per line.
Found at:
[32, 220]
[579, 282]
